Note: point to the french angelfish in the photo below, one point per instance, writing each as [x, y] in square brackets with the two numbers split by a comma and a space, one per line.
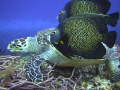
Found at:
[82, 35]
[84, 6]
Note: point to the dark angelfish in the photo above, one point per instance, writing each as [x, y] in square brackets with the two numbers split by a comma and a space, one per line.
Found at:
[82, 34]
[84, 6]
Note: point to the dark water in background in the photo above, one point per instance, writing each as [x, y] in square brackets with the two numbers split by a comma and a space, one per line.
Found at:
[22, 18]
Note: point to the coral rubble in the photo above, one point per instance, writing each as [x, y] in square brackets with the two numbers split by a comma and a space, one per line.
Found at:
[12, 77]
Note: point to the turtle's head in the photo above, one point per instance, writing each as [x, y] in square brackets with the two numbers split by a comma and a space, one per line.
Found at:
[18, 45]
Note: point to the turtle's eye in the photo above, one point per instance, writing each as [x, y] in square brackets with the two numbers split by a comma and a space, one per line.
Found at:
[13, 45]
[54, 32]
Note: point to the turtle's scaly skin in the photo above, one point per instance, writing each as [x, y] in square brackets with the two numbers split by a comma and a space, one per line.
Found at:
[46, 52]
[37, 43]
[114, 70]
[43, 37]
[21, 45]
[113, 64]
[53, 56]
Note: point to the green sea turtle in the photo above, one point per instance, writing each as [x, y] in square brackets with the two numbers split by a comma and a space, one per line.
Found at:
[45, 51]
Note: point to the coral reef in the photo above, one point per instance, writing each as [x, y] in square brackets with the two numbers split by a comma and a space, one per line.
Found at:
[12, 77]
[10, 68]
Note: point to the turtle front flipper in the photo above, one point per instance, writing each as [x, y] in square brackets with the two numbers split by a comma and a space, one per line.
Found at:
[32, 68]
[114, 68]
[33, 72]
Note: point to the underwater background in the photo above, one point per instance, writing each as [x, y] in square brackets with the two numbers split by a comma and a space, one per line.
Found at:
[23, 18]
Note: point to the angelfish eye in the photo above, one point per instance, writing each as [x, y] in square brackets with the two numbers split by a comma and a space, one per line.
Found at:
[62, 12]
[54, 32]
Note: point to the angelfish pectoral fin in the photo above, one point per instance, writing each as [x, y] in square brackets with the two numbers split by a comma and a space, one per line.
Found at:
[62, 42]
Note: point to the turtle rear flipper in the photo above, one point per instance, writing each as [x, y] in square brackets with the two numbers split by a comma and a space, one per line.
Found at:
[33, 72]
[114, 68]
[113, 62]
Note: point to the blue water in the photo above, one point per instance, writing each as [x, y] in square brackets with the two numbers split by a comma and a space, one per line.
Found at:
[22, 18]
